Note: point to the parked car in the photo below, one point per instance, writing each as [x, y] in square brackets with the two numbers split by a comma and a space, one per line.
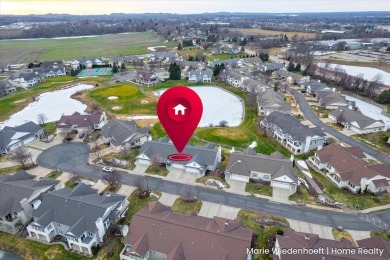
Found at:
[108, 169]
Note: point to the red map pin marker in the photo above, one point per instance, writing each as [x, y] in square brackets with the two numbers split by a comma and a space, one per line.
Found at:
[179, 110]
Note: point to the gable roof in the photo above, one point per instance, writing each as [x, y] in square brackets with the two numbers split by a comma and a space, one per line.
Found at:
[349, 166]
[189, 237]
[351, 116]
[271, 66]
[249, 161]
[80, 120]
[291, 125]
[202, 155]
[78, 208]
[14, 188]
[328, 97]
[11, 135]
[314, 85]
[272, 99]
[200, 74]
[119, 131]
[376, 242]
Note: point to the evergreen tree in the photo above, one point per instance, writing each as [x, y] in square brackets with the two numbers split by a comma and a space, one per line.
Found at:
[291, 66]
[384, 97]
[179, 47]
[174, 71]
[114, 68]
[298, 67]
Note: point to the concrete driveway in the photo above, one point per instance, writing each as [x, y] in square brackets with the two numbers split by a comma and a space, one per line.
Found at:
[168, 199]
[211, 210]
[37, 144]
[280, 195]
[126, 190]
[236, 186]
[40, 172]
[100, 185]
[322, 231]
[140, 169]
[178, 175]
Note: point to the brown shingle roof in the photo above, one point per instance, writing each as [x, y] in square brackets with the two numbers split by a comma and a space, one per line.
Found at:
[376, 242]
[199, 237]
[381, 169]
[79, 120]
[346, 164]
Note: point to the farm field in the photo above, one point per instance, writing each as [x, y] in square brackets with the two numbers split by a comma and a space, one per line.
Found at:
[256, 31]
[18, 51]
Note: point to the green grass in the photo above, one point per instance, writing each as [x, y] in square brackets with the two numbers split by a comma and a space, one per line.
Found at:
[319, 110]
[130, 156]
[350, 199]
[70, 184]
[385, 234]
[263, 232]
[340, 234]
[50, 127]
[222, 56]
[377, 141]
[12, 169]
[258, 189]
[114, 190]
[67, 49]
[135, 203]
[157, 170]
[4, 158]
[157, 131]
[131, 100]
[54, 174]
[182, 207]
[29, 249]
[204, 178]
[115, 246]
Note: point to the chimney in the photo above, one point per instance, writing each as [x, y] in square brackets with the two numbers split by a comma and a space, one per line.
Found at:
[219, 153]
[292, 158]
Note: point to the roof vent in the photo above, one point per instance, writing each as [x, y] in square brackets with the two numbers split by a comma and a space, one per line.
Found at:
[226, 224]
[239, 161]
[108, 195]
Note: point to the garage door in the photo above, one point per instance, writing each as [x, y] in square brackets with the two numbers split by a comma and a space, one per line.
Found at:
[282, 185]
[239, 178]
[178, 166]
[143, 161]
[193, 170]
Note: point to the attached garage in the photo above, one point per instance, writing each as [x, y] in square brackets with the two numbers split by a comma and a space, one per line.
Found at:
[282, 185]
[177, 166]
[239, 178]
[143, 161]
[193, 170]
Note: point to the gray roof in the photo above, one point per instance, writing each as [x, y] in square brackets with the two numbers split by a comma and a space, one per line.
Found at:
[271, 66]
[291, 125]
[273, 99]
[119, 131]
[285, 74]
[229, 62]
[349, 116]
[314, 85]
[248, 161]
[14, 188]
[28, 129]
[200, 74]
[203, 155]
[164, 55]
[327, 98]
[78, 208]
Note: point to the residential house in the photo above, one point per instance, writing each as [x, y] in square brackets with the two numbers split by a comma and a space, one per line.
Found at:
[51, 72]
[274, 169]
[308, 246]
[269, 101]
[332, 100]
[251, 62]
[163, 56]
[162, 74]
[158, 233]
[81, 123]
[376, 242]
[290, 77]
[256, 85]
[87, 63]
[313, 87]
[348, 168]
[26, 80]
[191, 65]
[6, 87]
[216, 51]
[147, 78]
[19, 194]
[292, 134]
[356, 121]
[118, 60]
[13, 137]
[270, 67]
[52, 64]
[227, 63]
[232, 77]
[201, 159]
[80, 216]
[124, 134]
[200, 76]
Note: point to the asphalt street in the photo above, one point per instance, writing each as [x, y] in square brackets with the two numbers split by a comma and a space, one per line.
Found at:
[72, 157]
[309, 114]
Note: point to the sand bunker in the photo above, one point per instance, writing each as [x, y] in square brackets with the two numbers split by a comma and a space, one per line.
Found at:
[112, 97]
[144, 101]
[117, 108]
[19, 101]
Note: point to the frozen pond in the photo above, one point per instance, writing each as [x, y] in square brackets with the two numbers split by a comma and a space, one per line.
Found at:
[218, 105]
[52, 104]
[368, 72]
[6, 255]
[370, 110]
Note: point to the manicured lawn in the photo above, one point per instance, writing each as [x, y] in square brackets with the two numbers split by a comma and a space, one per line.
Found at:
[4, 158]
[12, 169]
[318, 110]
[305, 196]
[116, 188]
[222, 56]
[70, 184]
[54, 174]
[340, 234]
[50, 127]
[67, 49]
[180, 206]
[263, 232]
[131, 100]
[135, 203]
[115, 247]
[258, 189]
[172, 83]
[336, 126]
[157, 131]
[157, 170]
[204, 178]
[350, 199]
[377, 141]
[129, 156]
[385, 234]
[29, 249]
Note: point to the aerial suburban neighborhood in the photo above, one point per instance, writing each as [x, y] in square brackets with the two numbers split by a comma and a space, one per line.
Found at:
[290, 158]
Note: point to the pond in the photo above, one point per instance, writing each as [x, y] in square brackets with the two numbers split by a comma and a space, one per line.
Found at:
[218, 105]
[370, 110]
[6, 255]
[52, 104]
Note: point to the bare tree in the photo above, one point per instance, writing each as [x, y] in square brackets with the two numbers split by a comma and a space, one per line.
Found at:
[112, 178]
[252, 97]
[156, 159]
[374, 84]
[223, 123]
[20, 155]
[42, 118]
[94, 107]
[189, 193]
[140, 183]
[75, 178]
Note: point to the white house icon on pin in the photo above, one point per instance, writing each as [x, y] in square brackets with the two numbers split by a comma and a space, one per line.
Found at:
[179, 108]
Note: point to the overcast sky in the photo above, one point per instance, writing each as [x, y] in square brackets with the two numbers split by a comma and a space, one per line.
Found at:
[187, 6]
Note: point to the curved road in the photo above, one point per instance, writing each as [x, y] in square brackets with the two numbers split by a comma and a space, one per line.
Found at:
[72, 157]
[309, 114]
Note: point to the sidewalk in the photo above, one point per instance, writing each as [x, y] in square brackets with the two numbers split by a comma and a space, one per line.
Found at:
[383, 207]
